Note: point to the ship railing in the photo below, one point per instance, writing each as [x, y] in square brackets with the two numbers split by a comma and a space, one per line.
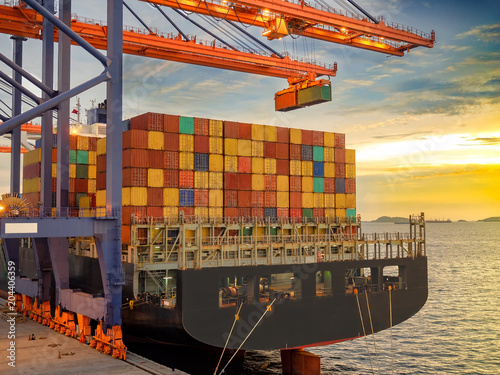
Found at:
[64, 212]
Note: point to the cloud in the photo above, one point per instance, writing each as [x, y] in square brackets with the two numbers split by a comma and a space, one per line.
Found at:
[490, 141]
[485, 33]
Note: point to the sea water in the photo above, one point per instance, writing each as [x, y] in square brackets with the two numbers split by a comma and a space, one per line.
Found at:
[456, 332]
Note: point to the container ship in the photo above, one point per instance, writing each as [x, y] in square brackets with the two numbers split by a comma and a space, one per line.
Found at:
[236, 237]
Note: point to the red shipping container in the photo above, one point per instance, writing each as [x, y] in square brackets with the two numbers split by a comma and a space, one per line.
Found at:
[282, 167]
[126, 234]
[101, 181]
[54, 185]
[138, 212]
[295, 152]
[295, 200]
[319, 212]
[245, 212]
[330, 185]
[201, 143]
[156, 122]
[296, 183]
[296, 212]
[33, 198]
[270, 150]
[269, 199]
[350, 186]
[101, 163]
[148, 121]
[282, 135]
[231, 129]
[92, 144]
[171, 160]
[171, 123]
[186, 179]
[231, 181]
[258, 199]
[244, 181]
[81, 185]
[188, 211]
[54, 155]
[258, 212]
[200, 127]
[339, 170]
[171, 142]
[230, 198]
[72, 199]
[131, 177]
[201, 197]
[156, 159]
[245, 131]
[244, 198]
[339, 156]
[31, 171]
[154, 211]
[318, 138]
[135, 139]
[244, 164]
[282, 151]
[339, 140]
[72, 141]
[72, 185]
[270, 182]
[282, 212]
[155, 197]
[170, 178]
[307, 137]
[231, 212]
[286, 102]
[133, 158]
[139, 122]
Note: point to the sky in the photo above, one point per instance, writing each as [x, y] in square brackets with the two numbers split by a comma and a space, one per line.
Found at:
[425, 127]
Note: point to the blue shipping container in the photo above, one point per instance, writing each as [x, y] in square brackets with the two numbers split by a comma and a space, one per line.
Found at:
[307, 152]
[318, 169]
[270, 212]
[186, 197]
[340, 185]
[200, 162]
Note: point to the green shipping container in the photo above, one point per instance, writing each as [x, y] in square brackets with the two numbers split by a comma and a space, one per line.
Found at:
[319, 185]
[350, 213]
[72, 156]
[307, 212]
[315, 95]
[82, 171]
[273, 231]
[82, 157]
[247, 231]
[80, 195]
[186, 125]
[318, 153]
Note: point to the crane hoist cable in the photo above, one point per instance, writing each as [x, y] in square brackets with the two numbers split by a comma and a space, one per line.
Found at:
[239, 20]
[169, 20]
[137, 17]
[228, 33]
[194, 11]
[216, 18]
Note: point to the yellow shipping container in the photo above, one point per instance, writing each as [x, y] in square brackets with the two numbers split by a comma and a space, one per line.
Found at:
[171, 197]
[319, 200]
[186, 142]
[201, 180]
[339, 200]
[270, 133]
[295, 168]
[329, 201]
[350, 156]
[258, 132]
[101, 146]
[216, 198]
[170, 211]
[350, 201]
[244, 147]
[32, 157]
[230, 163]
[258, 182]
[350, 170]
[258, 165]
[329, 154]
[72, 171]
[329, 169]
[216, 180]
[282, 199]
[82, 143]
[54, 170]
[92, 186]
[282, 183]
[307, 185]
[296, 136]
[307, 168]
[258, 149]
[340, 212]
[139, 196]
[215, 145]
[215, 212]
[307, 200]
[270, 166]
[215, 128]
[155, 140]
[330, 212]
[216, 163]
[201, 212]
[84, 202]
[230, 146]
[92, 172]
[155, 177]
[186, 160]
[32, 185]
[92, 157]
[126, 196]
[329, 139]
[100, 198]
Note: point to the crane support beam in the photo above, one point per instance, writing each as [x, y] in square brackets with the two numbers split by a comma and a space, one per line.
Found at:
[25, 22]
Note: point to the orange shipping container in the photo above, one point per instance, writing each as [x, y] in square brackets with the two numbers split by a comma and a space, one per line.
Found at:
[258, 165]
[329, 169]
[244, 147]
[340, 212]
[215, 180]
[100, 198]
[126, 196]
[350, 201]
[296, 136]
[258, 132]
[231, 146]
[282, 199]
[54, 170]
[329, 139]
[135, 139]
[138, 196]
[270, 133]
[340, 201]
[307, 200]
[216, 163]
[72, 171]
[101, 146]
[258, 182]
[171, 197]
[155, 140]
[216, 198]
[155, 177]
[307, 185]
[350, 156]
[282, 183]
[92, 172]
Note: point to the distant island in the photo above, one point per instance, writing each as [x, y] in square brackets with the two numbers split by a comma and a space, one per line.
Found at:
[493, 219]
[389, 219]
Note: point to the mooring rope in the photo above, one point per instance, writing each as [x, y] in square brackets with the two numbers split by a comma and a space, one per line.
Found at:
[373, 333]
[268, 308]
[236, 318]
[390, 328]
[363, 326]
